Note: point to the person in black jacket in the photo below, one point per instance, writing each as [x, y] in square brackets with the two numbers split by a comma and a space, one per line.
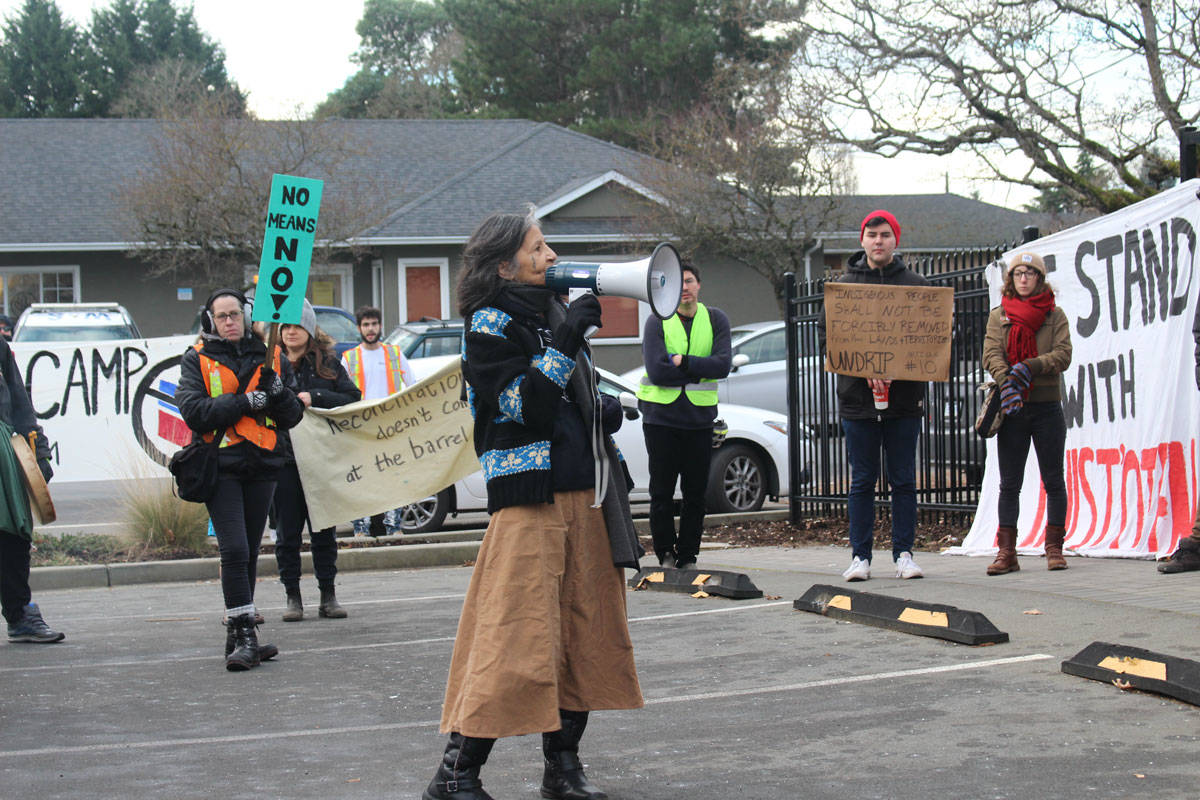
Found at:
[893, 423]
[226, 390]
[542, 639]
[321, 382]
[24, 618]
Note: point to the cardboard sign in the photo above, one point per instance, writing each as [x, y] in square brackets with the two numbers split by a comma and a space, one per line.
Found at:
[376, 455]
[889, 332]
[287, 248]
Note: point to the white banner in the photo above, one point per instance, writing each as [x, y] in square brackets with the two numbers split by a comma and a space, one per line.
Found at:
[107, 407]
[375, 455]
[1128, 284]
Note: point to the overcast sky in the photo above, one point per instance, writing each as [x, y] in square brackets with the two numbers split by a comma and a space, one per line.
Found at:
[290, 54]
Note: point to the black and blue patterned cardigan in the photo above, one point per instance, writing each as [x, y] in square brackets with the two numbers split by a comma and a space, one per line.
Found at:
[516, 379]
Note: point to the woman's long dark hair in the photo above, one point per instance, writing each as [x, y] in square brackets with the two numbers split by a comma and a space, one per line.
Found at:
[320, 350]
[495, 241]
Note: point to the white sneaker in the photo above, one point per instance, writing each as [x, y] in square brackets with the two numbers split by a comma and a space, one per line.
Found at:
[859, 570]
[907, 568]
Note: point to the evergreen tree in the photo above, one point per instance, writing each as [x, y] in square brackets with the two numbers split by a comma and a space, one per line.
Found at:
[41, 59]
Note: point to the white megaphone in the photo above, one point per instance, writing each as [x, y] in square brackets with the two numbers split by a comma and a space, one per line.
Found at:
[657, 280]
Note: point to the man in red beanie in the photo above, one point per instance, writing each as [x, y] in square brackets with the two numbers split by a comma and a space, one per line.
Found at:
[893, 424]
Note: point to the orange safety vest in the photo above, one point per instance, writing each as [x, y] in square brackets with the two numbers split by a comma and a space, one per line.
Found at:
[222, 380]
[396, 378]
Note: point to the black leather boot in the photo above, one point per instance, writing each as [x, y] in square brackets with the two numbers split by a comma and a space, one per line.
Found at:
[295, 606]
[458, 776]
[245, 644]
[564, 778]
[330, 607]
[265, 651]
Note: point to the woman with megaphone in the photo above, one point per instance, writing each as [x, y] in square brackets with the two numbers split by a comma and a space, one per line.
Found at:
[542, 639]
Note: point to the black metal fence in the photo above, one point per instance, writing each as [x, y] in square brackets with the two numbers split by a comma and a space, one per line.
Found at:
[950, 456]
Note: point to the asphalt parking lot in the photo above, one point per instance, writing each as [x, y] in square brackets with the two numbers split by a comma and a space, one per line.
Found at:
[745, 699]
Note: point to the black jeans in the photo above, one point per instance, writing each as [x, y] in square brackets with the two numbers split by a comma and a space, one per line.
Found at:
[239, 512]
[14, 575]
[291, 513]
[1044, 425]
[677, 454]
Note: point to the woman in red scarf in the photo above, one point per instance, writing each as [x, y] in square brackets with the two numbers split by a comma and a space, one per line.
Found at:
[1026, 349]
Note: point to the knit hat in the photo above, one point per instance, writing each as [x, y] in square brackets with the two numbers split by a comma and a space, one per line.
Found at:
[887, 215]
[308, 319]
[1031, 260]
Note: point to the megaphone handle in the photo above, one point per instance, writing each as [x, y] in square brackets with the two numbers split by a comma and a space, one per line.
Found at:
[573, 294]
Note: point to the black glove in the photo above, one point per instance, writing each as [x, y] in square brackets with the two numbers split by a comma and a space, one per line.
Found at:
[44, 466]
[270, 382]
[257, 400]
[583, 313]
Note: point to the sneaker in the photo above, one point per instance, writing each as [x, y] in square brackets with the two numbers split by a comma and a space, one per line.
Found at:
[32, 628]
[685, 563]
[667, 561]
[859, 570]
[907, 568]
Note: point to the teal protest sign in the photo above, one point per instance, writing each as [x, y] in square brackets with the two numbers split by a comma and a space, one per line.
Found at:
[287, 249]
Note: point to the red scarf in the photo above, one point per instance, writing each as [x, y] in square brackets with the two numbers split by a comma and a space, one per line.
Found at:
[1026, 315]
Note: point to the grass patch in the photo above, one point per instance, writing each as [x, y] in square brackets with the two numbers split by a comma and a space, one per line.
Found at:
[75, 548]
[158, 524]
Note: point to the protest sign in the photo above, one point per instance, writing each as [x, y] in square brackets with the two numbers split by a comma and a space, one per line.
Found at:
[376, 455]
[1127, 282]
[889, 332]
[287, 248]
[107, 408]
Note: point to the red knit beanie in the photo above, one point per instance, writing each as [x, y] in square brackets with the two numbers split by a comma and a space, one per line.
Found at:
[891, 221]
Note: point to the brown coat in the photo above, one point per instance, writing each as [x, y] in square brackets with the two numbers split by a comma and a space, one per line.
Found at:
[1054, 353]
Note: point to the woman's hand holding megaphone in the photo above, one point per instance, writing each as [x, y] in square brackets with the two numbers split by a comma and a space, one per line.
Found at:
[582, 313]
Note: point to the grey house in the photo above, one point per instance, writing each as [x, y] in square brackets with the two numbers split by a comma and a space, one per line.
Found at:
[62, 236]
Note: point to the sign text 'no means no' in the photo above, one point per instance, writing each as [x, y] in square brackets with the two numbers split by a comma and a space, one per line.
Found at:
[287, 248]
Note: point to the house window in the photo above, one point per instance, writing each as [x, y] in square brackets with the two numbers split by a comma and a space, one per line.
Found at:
[20, 287]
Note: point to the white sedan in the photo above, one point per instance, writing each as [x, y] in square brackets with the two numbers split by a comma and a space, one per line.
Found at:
[749, 466]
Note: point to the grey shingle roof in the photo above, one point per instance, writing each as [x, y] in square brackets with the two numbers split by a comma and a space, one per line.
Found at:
[58, 181]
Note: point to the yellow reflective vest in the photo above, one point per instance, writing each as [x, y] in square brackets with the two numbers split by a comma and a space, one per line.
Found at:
[396, 379]
[677, 340]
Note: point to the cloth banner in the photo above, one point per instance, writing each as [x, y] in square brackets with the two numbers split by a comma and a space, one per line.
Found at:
[375, 455]
[1127, 282]
[108, 408]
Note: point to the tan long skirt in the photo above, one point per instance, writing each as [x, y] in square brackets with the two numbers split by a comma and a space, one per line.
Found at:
[543, 626]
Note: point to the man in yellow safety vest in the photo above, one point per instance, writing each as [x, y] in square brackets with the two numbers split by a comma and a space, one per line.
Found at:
[685, 356]
[378, 370]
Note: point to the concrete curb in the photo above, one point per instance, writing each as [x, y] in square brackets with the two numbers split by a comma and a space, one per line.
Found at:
[448, 549]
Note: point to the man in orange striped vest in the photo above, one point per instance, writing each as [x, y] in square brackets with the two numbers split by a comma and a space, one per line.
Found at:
[378, 370]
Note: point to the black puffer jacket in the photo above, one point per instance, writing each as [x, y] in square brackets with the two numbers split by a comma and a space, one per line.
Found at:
[905, 398]
[326, 392]
[204, 414]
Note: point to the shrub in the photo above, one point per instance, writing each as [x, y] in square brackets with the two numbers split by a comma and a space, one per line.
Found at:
[157, 520]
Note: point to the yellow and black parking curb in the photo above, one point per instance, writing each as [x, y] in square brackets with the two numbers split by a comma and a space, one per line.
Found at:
[897, 614]
[1134, 668]
[697, 582]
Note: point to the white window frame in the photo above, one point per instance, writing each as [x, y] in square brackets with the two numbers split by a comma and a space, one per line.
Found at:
[40, 271]
[346, 273]
[402, 265]
[644, 311]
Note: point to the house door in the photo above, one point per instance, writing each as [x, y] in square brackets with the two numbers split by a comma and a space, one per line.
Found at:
[423, 290]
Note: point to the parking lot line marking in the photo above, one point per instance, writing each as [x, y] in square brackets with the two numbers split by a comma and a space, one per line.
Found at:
[849, 679]
[212, 614]
[710, 611]
[433, 723]
[201, 740]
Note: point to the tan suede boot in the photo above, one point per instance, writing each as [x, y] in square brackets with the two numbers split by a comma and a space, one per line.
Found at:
[1006, 557]
[1054, 545]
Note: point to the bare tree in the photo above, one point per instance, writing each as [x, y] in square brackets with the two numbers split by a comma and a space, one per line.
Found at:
[757, 187]
[198, 208]
[1047, 79]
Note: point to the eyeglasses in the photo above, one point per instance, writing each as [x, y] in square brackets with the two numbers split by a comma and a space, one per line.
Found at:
[229, 315]
[1024, 273]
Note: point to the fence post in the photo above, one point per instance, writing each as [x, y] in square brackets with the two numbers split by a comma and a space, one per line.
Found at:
[791, 336]
[1189, 140]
